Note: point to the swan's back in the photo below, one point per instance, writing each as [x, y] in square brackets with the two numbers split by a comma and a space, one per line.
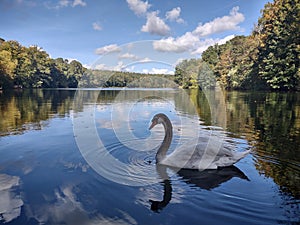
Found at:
[208, 153]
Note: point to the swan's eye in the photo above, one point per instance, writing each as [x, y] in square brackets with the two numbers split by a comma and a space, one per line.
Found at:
[159, 120]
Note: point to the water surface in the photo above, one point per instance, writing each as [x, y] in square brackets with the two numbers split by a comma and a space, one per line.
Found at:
[46, 179]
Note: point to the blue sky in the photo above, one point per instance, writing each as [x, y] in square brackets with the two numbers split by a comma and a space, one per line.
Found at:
[97, 32]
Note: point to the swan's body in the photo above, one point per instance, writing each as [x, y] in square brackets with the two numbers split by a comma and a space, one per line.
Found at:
[208, 153]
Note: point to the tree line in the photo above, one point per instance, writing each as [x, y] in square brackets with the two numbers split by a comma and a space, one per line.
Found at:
[32, 67]
[268, 59]
[107, 78]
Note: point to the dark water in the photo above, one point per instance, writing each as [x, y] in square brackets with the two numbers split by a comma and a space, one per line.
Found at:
[50, 174]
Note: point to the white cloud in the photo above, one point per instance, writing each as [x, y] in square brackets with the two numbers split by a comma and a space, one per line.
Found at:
[97, 26]
[161, 71]
[187, 43]
[224, 40]
[180, 20]
[155, 25]
[130, 69]
[65, 3]
[87, 66]
[158, 71]
[174, 15]
[193, 42]
[178, 45]
[100, 67]
[108, 49]
[29, 3]
[138, 7]
[146, 59]
[79, 2]
[127, 56]
[178, 61]
[119, 67]
[221, 24]
[203, 45]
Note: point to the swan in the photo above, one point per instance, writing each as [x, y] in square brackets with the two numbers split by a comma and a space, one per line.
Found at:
[208, 153]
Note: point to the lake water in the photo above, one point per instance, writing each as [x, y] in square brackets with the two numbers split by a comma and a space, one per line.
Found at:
[87, 157]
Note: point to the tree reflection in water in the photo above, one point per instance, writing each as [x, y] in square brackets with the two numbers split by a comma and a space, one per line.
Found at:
[22, 110]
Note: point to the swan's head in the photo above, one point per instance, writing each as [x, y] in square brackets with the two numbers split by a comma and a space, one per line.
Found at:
[158, 119]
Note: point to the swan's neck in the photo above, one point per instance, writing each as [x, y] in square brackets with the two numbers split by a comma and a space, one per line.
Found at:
[162, 151]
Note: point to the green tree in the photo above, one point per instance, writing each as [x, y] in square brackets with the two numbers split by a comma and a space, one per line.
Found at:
[59, 72]
[187, 72]
[7, 68]
[75, 72]
[212, 56]
[206, 77]
[278, 56]
[9, 60]
[238, 62]
[40, 69]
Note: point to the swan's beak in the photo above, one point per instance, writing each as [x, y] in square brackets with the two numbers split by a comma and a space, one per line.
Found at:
[154, 123]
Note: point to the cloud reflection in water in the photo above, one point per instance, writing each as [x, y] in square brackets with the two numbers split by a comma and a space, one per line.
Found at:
[11, 203]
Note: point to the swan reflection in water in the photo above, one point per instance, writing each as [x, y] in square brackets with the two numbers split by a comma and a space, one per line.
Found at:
[206, 179]
[204, 171]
